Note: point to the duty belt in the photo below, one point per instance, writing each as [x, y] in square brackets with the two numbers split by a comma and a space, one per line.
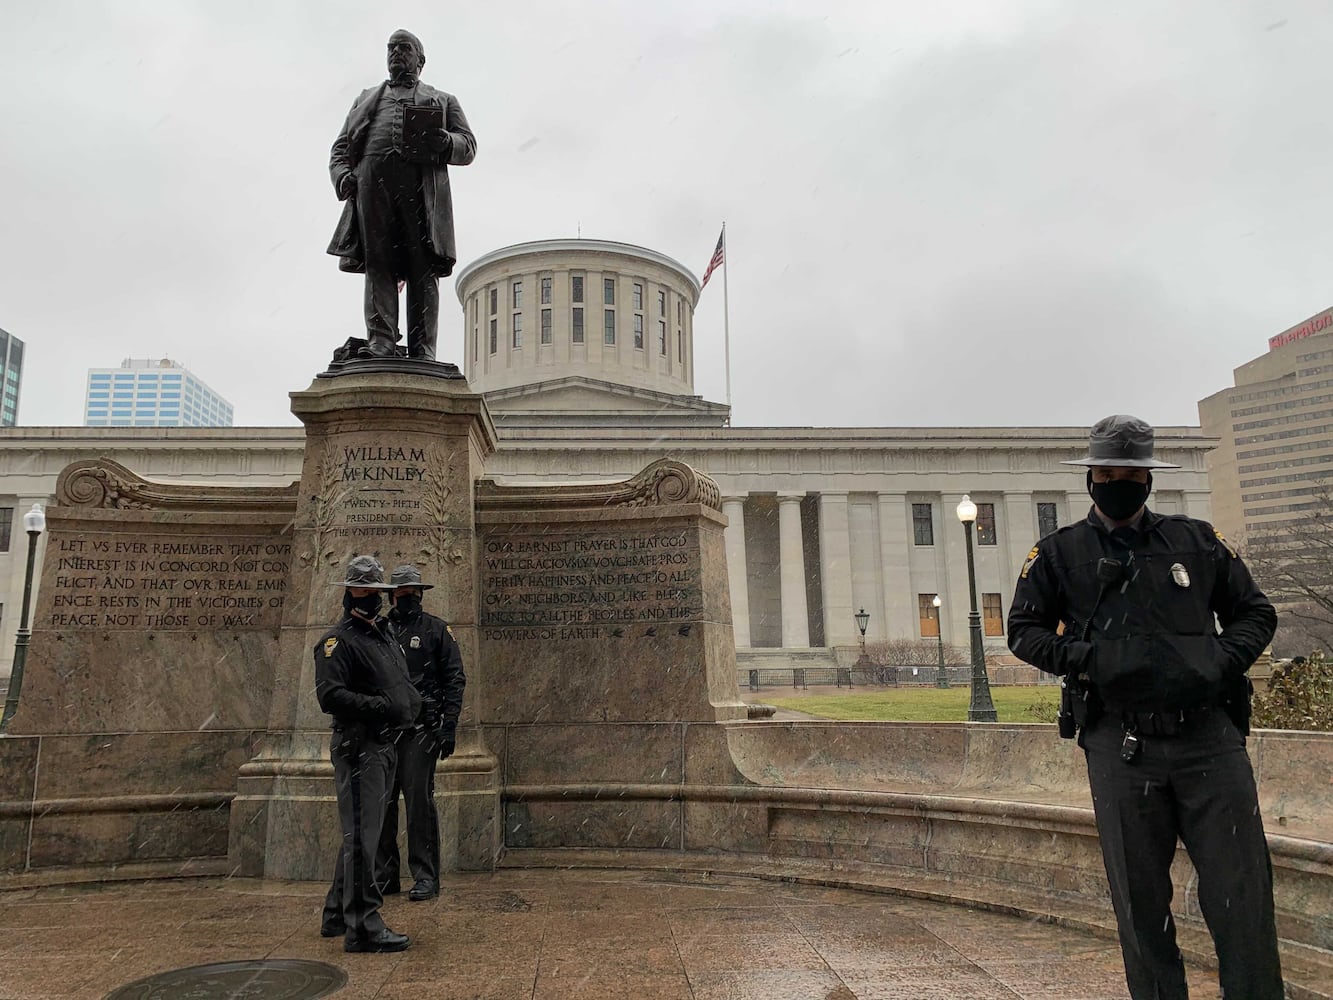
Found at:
[1164, 723]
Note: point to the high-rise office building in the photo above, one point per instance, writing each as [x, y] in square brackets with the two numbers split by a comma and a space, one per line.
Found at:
[11, 374]
[1274, 460]
[152, 393]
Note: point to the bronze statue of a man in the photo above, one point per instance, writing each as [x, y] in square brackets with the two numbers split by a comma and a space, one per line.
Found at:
[390, 164]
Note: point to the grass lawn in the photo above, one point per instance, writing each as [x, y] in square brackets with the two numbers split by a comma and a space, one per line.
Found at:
[924, 704]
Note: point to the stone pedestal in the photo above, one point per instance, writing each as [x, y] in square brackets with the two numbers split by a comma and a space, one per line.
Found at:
[390, 468]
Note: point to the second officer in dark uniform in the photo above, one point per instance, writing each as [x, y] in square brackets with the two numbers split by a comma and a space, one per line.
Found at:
[361, 680]
[436, 668]
[1160, 703]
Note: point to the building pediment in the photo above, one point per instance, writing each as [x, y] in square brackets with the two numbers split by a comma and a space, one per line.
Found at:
[576, 399]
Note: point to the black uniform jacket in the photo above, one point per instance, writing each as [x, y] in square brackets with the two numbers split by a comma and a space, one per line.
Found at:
[435, 666]
[361, 676]
[1153, 644]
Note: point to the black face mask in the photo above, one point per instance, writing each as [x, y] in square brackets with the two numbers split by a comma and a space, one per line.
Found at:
[1119, 499]
[407, 607]
[366, 607]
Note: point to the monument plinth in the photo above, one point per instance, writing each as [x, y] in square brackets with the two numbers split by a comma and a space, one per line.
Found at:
[390, 465]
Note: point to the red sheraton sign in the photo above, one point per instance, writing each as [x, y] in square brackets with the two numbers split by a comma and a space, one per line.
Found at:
[1315, 324]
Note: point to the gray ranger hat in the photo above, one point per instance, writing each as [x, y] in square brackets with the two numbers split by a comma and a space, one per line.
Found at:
[408, 575]
[1121, 441]
[365, 571]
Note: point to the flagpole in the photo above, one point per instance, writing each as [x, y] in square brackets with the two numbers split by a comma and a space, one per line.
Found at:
[726, 319]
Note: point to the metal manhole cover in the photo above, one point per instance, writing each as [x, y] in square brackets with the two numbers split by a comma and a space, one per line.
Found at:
[260, 979]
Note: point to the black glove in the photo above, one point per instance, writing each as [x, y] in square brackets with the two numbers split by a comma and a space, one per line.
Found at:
[444, 743]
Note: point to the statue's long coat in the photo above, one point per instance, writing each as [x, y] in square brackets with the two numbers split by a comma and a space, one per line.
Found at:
[346, 154]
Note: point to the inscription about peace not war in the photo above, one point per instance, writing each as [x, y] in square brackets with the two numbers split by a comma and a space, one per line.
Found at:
[200, 582]
[549, 586]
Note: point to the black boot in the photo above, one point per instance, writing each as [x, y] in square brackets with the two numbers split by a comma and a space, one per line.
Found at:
[380, 346]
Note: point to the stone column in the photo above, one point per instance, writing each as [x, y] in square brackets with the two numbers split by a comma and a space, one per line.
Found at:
[391, 464]
[791, 558]
[1079, 504]
[1196, 503]
[737, 573]
[953, 579]
[1020, 534]
[895, 566]
[835, 546]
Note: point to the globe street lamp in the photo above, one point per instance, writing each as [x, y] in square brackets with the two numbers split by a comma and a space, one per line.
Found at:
[941, 675]
[980, 708]
[34, 523]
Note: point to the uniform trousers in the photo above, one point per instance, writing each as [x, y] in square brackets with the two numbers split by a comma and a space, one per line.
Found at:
[395, 235]
[363, 767]
[1197, 786]
[415, 780]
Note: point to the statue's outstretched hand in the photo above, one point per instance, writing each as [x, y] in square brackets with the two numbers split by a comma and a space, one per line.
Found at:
[437, 140]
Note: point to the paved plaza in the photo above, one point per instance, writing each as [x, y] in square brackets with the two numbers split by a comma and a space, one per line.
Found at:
[548, 934]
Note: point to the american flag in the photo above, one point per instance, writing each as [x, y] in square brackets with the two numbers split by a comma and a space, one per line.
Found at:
[719, 256]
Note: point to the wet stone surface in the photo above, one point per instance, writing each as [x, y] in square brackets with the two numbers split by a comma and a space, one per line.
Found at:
[279, 979]
[543, 935]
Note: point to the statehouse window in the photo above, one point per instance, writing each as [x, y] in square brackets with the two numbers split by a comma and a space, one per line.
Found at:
[992, 614]
[6, 525]
[661, 336]
[985, 524]
[609, 291]
[518, 330]
[546, 326]
[517, 288]
[495, 301]
[638, 296]
[576, 288]
[608, 326]
[546, 290]
[928, 614]
[1047, 519]
[638, 332]
[923, 528]
[577, 326]
[680, 346]
[661, 303]
[495, 337]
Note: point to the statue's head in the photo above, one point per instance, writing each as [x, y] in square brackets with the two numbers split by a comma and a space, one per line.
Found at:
[406, 54]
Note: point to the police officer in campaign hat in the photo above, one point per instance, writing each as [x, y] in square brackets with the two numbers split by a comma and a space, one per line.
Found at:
[1160, 703]
[361, 680]
[436, 669]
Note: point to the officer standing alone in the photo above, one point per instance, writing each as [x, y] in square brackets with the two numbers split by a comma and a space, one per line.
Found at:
[1160, 702]
[436, 668]
[361, 680]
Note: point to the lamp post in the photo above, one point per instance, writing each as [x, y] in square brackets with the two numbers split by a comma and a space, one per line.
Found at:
[34, 523]
[862, 619]
[980, 708]
[941, 675]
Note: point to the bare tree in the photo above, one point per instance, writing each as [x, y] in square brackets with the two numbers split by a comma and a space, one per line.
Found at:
[905, 651]
[1293, 563]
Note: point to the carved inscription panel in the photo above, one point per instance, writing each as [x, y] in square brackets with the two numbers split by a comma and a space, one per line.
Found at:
[590, 583]
[402, 502]
[115, 581]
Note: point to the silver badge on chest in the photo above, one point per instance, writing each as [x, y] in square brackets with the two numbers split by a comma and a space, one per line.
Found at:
[416, 639]
[1180, 575]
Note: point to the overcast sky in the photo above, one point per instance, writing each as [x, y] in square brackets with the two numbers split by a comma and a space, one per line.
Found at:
[991, 212]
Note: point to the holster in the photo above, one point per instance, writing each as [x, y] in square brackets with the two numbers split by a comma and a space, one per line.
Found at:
[1079, 707]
